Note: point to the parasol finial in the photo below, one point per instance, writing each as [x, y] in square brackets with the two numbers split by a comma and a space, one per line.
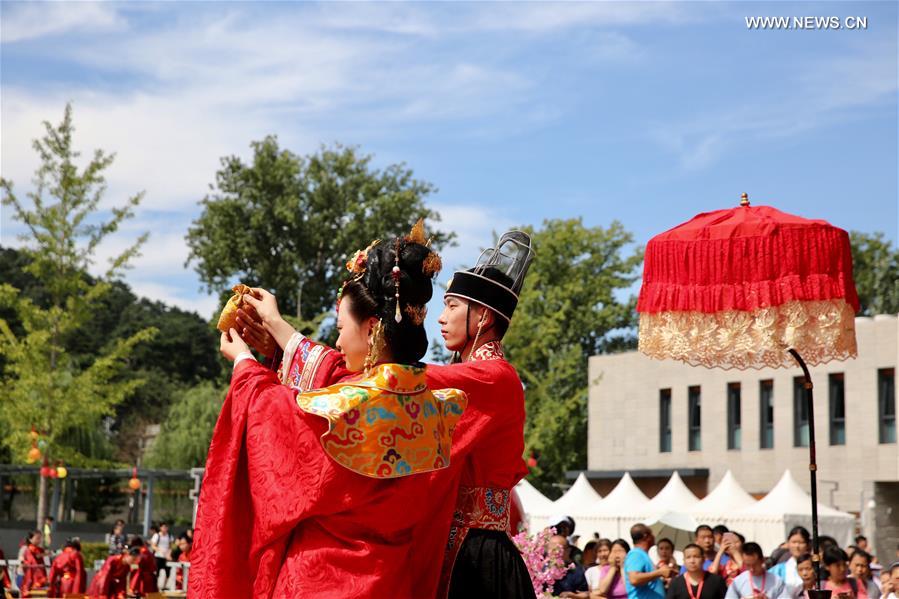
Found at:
[744, 199]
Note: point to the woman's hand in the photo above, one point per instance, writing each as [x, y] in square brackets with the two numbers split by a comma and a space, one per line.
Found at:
[231, 345]
[265, 304]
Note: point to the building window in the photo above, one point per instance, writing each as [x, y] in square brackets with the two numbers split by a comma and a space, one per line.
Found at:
[836, 386]
[695, 421]
[665, 420]
[766, 414]
[886, 404]
[800, 413]
[734, 427]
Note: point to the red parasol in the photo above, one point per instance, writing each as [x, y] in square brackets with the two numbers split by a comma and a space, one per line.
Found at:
[750, 287]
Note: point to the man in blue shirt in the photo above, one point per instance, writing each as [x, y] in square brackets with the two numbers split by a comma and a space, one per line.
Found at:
[641, 578]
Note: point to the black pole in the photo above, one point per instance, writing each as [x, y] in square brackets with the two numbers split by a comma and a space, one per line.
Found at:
[819, 593]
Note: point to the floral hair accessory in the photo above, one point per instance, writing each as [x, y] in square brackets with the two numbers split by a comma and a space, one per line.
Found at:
[359, 262]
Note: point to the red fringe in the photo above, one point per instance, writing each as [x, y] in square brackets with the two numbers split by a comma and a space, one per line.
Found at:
[777, 265]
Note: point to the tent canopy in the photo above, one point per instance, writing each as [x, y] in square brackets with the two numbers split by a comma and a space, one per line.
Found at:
[787, 497]
[533, 502]
[674, 497]
[725, 499]
[580, 500]
[625, 499]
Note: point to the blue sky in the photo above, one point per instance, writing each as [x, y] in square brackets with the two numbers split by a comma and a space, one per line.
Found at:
[643, 112]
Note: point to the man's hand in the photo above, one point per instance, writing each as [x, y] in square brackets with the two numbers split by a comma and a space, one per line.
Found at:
[231, 345]
[665, 570]
[251, 330]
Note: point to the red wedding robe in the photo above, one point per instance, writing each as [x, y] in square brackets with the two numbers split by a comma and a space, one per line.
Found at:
[35, 570]
[488, 441]
[67, 573]
[279, 517]
[111, 581]
[144, 580]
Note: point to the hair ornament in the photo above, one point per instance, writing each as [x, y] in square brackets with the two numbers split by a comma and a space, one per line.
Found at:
[417, 234]
[395, 274]
[432, 264]
[416, 313]
[359, 262]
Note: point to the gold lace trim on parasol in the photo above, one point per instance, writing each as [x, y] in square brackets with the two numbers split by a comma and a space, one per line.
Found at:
[820, 331]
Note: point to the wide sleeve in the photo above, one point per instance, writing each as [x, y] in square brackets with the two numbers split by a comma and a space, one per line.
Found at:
[99, 586]
[80, 575]
[56, 570]
[308, 365]
[266, 472]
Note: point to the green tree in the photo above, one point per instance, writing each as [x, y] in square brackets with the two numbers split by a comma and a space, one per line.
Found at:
[875, 265]
[184, 438]
[289, 222]
[42, 383]
[573, 306]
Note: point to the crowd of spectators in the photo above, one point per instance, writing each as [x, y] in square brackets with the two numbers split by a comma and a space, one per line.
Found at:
[720, 564]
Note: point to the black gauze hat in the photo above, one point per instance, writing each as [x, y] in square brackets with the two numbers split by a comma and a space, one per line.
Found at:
[498, 277]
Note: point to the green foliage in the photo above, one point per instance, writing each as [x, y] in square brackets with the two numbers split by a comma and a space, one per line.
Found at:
[570, 309]
[93, 552]
[184, 438]
[875, 265]
[42, 382]
[289, 222]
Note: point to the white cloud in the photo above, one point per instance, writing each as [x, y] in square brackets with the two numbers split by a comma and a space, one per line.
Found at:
[29, 20]
[827, 92]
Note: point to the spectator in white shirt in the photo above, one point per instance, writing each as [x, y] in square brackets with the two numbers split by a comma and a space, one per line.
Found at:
[756, 582]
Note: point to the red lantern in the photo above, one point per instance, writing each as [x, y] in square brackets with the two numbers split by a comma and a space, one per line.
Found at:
[134, 483]
[51, 472]
[45, 471]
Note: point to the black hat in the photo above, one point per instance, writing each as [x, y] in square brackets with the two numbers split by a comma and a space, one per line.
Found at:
[496, 280]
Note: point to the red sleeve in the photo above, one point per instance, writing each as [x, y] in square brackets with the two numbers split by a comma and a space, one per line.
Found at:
[265, 473]
[80, 575]
[99, 586]
[312, 366]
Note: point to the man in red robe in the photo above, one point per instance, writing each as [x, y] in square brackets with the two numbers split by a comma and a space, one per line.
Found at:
[4, 574]
[67, 573]
[35, 571]
[144, 580]
[111, 582]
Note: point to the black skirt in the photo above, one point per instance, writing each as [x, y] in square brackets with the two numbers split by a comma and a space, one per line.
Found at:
[489, 565]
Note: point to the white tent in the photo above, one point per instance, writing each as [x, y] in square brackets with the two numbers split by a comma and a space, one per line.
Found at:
[537, 507]
[670, 512]
[623, 507]
[724, 500]
[785, 506]
[674, 497]
[580, 500]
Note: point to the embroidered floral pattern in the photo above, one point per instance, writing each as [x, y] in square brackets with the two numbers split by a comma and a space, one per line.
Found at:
[819, 330]
[405, 428]
[492, 350]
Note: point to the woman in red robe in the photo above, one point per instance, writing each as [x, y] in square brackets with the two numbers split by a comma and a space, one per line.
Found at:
[33, 566]
[184, 544]
[488, 442]
[320, 494]
[111, 582]
[67, 573]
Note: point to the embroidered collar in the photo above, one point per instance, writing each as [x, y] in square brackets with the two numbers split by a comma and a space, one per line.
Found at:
[395, 378]
[492, 350]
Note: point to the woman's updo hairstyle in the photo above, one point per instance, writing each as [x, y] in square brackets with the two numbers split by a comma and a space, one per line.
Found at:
[373, 291]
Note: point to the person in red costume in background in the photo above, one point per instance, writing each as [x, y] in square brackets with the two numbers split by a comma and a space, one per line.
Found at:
[111, 582]
[488, 444]
[5, 583]
[33, 565]
[145, 579]
[67, 573]
[184, 544]
[320, 494]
